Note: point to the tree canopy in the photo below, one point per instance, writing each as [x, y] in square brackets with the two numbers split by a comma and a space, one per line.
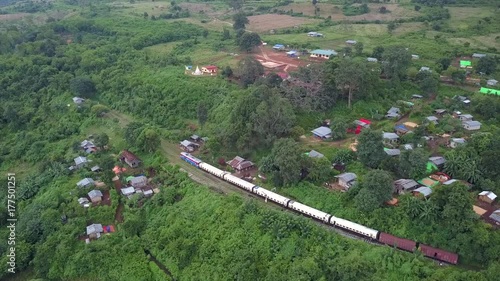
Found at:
[370, 148]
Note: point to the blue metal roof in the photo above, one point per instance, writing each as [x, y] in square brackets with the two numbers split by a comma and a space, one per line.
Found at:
[324, 52]
[278, 46]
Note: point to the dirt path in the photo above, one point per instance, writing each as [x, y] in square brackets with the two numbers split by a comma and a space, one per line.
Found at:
[119, 213]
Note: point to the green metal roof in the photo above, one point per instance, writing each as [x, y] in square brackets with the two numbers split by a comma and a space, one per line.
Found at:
[465, 63]
[431, 167]
[130, 178]
[489, 91]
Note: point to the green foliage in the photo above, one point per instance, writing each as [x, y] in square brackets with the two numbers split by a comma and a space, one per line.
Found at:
[378, 52]
[413, 163]
[353, 76]
[248, 41]
[202, 112]
[240, 20]
[83, 87]
[350, 10]
[249, 69]
[427, 82]
[101, 140]
[486, 65]
[398, 60]
[339, 129]
[320, 170]
[370, 148]
[376, 188]
[359, 48]
[148, 140]
[284, 163]
[99, 110]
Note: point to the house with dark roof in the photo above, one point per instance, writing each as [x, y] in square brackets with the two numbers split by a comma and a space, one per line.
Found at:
[81, 161]
[315, 154]
[402, 186]
[138, 182]
[324, 54]
[401, 129]
[496, 216]
[322, 132]
[471, 125]
[131, 159]
[346, 180]
[437, 160]
[240, 164]
[188, 146]
[95, 196]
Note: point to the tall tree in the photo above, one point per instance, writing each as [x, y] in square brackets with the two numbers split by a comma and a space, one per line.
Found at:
[454, 206]
[132, 132]
[378, 52]
[319, 170]
[339, 128]
[359, 48]
[463, 163]
[413, 163]
[370, 148]
[376, 188]
[249, 69]
[351, 76]
[236, 4]
[487, 65]
[398, 60]
[148, 140]
[240, 20]
[101, 140]
[285, 162]
[83, 87]
[428, 82]
[248, 41]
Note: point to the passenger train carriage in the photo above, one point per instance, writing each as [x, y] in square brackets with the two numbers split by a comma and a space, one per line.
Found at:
[360, 230]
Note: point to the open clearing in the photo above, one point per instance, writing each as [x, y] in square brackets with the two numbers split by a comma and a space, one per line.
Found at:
[464, 17]
[335, 11]
[268, 22]
[13, 16]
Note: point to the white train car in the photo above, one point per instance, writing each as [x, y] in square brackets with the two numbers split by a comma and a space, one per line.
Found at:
[354, 227]
[282, 200]
[248, 186]
[212, 170]
[306, 210]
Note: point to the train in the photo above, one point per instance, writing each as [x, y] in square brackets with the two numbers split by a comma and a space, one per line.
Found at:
[343, 224]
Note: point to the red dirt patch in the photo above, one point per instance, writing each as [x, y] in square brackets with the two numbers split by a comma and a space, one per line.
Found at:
[279, 59]
[106, 199]
[119, 213]
[272, 21]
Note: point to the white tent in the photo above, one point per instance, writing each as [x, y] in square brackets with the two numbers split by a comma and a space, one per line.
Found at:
[197, 71]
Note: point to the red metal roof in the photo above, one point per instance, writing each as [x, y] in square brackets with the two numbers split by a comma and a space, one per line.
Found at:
[211, 67]
[366, 121]
[439, 254]
[394, 241]
[129, 156]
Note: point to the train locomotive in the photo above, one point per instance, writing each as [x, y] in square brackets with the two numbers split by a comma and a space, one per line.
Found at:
[345, 225]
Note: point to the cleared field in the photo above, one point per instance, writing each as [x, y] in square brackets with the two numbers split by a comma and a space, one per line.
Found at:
[13, 16]
[463, 17]
[479, 42]
[267, 22]
[408, 27]
[335, 11]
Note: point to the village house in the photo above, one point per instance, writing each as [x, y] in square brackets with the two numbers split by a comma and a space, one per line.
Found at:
[478, 56]
[83, 201]
[425, 68]
[465, 117]
[487, 196]
[393, 112]
[325, 54]
[128, 191]
[95, 196]
[415, 57]
[314, 34]
[471, 125]
[291, 54]
[86, 182]
[390, 138]
[81, 161]
[410, 125]
[432, 119]
[195, 138]
[95, 169]
[188, 146]
[240, 164]
[392, 152]
[402, 186]
[138, 182]
[315, 154]
[417, 96]
[279, 47]
[131, 159]
[322, 132]
[78, 100]
[346, 180]
[372, 60]
[456, 142]
[210, 69]
[496, 216]
[351, 42]
[491, 82]
[438, 161]
[423, 191]
[401, 129]
[440, 111]
[440, 177]
[88, 146]
[94, 231]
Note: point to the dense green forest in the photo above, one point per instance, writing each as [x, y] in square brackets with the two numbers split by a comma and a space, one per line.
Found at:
[138, 97]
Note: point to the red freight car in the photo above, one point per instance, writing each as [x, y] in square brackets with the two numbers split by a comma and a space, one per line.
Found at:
[393, 241]
[439, 254]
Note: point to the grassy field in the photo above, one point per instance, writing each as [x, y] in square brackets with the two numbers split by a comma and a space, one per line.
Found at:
[463, 17]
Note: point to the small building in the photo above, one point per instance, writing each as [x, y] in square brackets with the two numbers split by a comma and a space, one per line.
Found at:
[408, 146]
[478, 56]
[195, 138]
[456, 142]
[204, 139]
[415, 57]
[450, 182]
[322, 132]
[95, 196]
[314, 34]
[440, 111]
[94, 231]
[78, 100]
[291, 54]
[410, 125]
[401, 129]
[428, 182]
[432, 119]
[465, 64]
[139, 182]
[437, 160]
[95, 169]
[279, 47]
[390, 138]
[315, 154]
[346, 180]
[487, 196]
[471, 125]
[478, 210]
[240, 164]
[392, 152]
[372, 59]
[83, 201]
[128, 191]
[351, 42]
[81, 161]
[131, 159]
[465, 117]
[188, 146]
[425, 68]
[491, 82]
[393, 112]
[496, 216]
[416, 96]
[402, 186]
[422, 191]
[210, 69]
[325, 54]
[86, 182]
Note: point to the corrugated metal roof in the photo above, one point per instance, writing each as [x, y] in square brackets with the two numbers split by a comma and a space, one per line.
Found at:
[397, 242]
[489, 194]
[347, 177]
[322, 131]
[424, 190]
[324, 52]
[439, 254]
